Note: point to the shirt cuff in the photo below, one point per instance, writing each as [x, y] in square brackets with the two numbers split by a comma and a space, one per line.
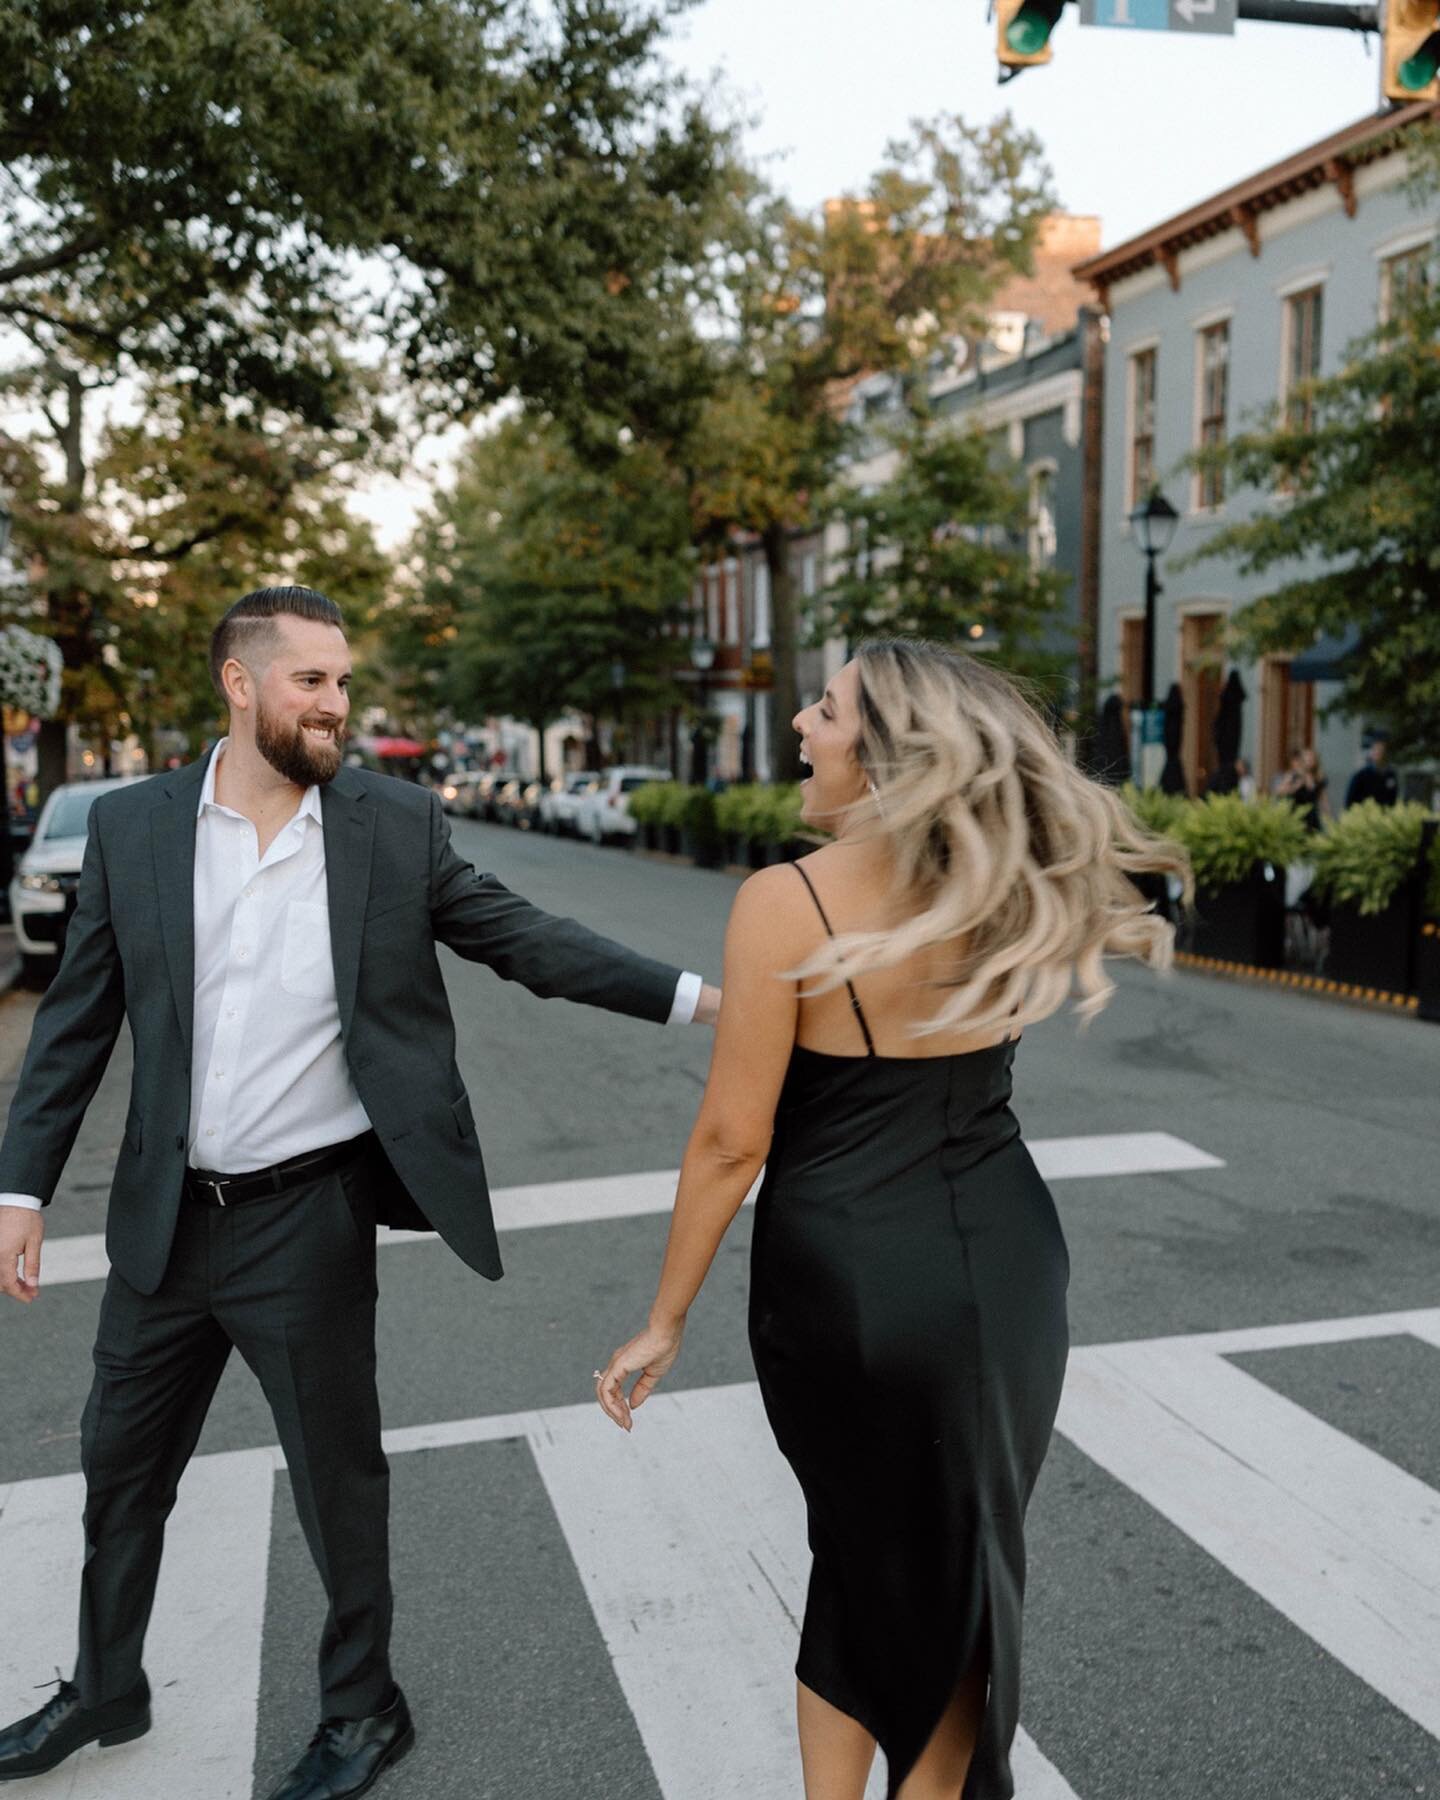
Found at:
[687, 998]
[30, 1202]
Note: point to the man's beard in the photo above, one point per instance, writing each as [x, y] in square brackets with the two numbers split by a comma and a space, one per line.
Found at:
[291, 752]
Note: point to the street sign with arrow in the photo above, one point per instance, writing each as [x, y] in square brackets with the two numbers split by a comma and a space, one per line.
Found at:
[1216, 16]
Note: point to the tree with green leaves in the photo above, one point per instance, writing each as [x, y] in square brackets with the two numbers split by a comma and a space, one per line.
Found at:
[543, 571]
[881, 281]
[939, 551]
[1352, 537]
[488, 197]
[188, 509]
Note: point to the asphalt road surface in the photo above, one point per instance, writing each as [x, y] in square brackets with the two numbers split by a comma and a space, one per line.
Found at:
[1234, 1549]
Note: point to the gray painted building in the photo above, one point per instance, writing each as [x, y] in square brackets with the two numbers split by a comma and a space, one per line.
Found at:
[1213, 315]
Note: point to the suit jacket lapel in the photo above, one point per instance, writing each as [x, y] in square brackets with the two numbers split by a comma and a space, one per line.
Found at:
[172, 838]
[349, 823]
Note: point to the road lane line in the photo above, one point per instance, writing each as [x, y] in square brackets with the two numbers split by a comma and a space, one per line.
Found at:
[1333, 1536]
[203, 1649]
[598, 1198]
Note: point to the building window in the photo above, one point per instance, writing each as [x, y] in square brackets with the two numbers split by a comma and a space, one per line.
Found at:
[1042, 517]
[760, 627]
[1403, 279]
[1142, 426]
[1302, 356]
[1213, 348]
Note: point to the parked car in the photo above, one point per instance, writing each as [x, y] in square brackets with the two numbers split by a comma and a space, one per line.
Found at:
[457, 793]
[42, 893]
[603, 811]
[558, 806]
[518, 801]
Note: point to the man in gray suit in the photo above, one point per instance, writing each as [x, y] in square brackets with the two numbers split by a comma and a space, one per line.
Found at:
[267, 920]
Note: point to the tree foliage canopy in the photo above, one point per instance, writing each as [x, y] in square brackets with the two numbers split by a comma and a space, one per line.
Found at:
[939, 550]
[189, 186]
[543, 571]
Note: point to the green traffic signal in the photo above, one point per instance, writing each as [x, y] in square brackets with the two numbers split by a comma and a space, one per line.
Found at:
[1419, 70]
[1029, 31]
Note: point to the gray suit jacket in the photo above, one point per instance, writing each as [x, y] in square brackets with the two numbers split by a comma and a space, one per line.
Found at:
[396, 888]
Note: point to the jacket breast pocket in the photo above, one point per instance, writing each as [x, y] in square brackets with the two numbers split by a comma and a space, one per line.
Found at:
[305, 966]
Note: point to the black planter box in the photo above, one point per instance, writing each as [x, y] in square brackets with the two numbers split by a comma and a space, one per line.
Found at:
[1155, 890]
[671, 839]
[1427, 971]
[1244, 923]
[650, 836]
[703, 849]
[757, 853]
[734, 847]
[1377, 950]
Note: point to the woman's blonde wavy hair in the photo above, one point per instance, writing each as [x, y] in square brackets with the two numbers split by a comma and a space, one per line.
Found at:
[1007, 851]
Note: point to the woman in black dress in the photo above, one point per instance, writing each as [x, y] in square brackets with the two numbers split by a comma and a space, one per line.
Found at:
[907, 1311]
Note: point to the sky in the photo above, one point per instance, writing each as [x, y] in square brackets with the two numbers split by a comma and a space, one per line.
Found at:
[1136, 125]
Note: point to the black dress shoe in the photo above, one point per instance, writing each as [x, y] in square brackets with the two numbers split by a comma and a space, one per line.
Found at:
[348, 1756]
[63, 1725]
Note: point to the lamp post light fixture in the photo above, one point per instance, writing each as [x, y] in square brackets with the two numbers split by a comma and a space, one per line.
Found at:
[1154, 521]
[702, 658]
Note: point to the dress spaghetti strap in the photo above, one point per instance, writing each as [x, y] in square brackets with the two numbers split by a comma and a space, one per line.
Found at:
[854, 997]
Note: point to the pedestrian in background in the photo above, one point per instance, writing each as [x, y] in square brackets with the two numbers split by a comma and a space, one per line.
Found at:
[1374, 779]
[908, 1270]
[1307, 785]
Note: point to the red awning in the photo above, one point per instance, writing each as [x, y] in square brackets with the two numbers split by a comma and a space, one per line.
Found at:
[397, 747]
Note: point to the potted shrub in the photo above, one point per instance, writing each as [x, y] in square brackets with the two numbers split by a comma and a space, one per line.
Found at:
[699, 831]
[1160, 813]
[1369, 865]
[647, 808]
[1239, 850]
[734, 817]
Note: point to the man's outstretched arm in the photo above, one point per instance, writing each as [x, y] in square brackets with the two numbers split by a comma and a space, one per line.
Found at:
[479, 918]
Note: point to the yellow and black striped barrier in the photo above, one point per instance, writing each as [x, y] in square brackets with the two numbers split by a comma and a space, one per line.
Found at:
[1310, 984]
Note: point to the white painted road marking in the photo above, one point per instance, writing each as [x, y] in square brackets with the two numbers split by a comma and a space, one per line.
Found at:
[82, 1258]
[689, 1538]
[1337, 1539]
[203, 1651]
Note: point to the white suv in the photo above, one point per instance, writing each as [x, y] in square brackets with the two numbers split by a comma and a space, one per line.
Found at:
[42, 894]
[559, 801]
[604, 810]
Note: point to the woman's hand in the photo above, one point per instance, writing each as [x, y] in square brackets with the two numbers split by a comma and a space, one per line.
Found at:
[651, 1354]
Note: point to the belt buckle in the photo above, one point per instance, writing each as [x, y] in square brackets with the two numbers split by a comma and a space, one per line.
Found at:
[216, 1187]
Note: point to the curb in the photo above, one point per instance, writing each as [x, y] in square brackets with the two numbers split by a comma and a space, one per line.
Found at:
[1375, 998]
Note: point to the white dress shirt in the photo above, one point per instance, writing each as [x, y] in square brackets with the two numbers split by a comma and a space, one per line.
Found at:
[268, 1075]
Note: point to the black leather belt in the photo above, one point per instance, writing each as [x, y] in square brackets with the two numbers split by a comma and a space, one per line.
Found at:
[213, 1189]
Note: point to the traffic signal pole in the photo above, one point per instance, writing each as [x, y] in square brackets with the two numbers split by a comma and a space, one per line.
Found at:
[1310, 12]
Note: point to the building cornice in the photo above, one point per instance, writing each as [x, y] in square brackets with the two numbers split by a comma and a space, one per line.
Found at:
[1332, 161]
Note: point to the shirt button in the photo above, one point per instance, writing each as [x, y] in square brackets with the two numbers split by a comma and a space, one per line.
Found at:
[242, 952]
[209, 1131]
[219, 1074]
[229, 1012]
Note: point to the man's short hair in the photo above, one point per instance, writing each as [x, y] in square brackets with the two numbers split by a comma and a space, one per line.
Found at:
[247, 624]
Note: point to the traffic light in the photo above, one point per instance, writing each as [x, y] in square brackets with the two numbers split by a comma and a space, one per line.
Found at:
[1412, 50]
[1022, 31]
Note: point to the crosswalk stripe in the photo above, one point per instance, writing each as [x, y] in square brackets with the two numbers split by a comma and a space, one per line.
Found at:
[597, 1198]
[1333, 1536]
[203, 1651]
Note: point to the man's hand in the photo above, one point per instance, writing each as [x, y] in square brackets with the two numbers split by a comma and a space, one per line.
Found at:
[707, 1007]
[22, 1231]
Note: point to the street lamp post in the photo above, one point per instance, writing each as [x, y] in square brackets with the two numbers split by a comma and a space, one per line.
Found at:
[1154, 521]
[702, 656]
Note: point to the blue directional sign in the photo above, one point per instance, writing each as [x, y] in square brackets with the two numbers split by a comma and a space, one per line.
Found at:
[1161, 15]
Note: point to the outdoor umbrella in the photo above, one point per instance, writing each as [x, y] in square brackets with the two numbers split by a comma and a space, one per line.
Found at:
[1112, 751]
[1172, 776]
[1229, 719]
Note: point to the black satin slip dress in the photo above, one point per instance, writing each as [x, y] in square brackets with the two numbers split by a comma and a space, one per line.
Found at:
[907, 1319]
